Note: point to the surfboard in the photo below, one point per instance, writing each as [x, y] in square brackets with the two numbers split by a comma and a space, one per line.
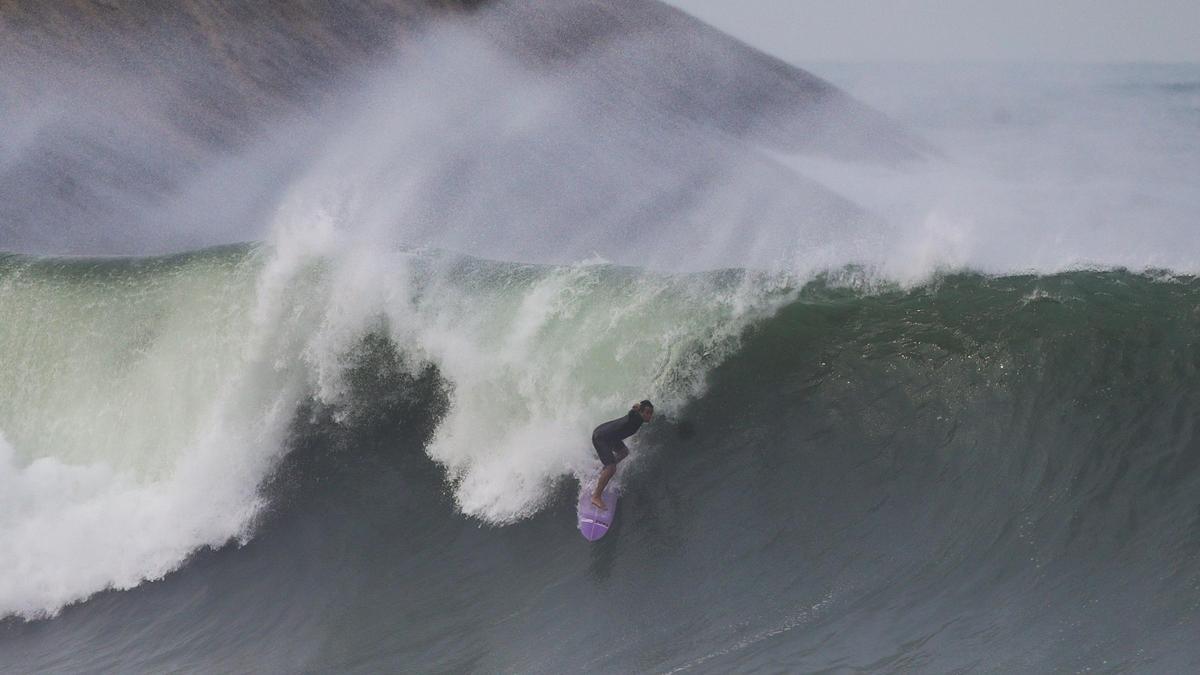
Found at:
[594, 523]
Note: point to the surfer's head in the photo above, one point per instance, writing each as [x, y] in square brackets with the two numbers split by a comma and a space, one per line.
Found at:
[645, 409]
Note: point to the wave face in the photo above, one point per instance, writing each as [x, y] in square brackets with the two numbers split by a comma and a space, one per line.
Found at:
[993, 473]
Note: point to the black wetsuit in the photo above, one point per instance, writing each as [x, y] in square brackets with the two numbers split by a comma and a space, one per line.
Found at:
[608, 436]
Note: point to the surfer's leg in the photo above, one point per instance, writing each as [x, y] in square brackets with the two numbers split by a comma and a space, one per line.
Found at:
[605, 451]
[606, 475]
[610, 454]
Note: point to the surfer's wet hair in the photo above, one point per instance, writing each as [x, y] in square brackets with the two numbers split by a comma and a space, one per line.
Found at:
[644, 405]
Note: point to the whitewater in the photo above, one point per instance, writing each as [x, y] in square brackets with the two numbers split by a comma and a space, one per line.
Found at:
[963, 377]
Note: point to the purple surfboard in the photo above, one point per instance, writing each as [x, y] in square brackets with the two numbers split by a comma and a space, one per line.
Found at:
[594, 523]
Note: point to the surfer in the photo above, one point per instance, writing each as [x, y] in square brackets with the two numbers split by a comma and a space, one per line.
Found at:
[608, 439]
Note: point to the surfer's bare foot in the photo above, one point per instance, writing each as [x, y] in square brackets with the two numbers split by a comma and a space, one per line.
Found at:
[599, 503]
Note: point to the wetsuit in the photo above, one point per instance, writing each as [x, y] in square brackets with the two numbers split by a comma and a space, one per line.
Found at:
[608, 436]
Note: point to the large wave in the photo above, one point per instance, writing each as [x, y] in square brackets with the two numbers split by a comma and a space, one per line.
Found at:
[143, 402]
[146, 400]
[873, 477]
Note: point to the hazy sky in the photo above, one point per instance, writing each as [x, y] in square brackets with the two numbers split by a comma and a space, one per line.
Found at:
[961, 30]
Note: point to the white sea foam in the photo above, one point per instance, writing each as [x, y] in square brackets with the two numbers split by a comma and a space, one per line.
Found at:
[534, 356]
[142, 410]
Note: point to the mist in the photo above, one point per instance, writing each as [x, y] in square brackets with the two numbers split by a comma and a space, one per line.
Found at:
[466, 151]
[1043, 168]
[483, 136]
[479, 135]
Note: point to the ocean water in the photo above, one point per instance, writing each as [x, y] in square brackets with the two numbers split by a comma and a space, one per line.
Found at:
[956, 436]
